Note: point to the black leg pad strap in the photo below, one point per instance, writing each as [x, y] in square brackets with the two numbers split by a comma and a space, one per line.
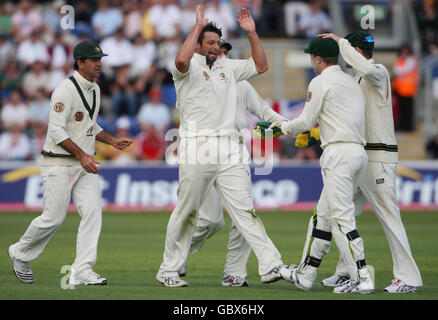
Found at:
[312, 261]
[320, 234]
[361, 263]
[353, 235]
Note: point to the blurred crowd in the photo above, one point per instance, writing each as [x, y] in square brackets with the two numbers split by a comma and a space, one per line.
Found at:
[142, 38]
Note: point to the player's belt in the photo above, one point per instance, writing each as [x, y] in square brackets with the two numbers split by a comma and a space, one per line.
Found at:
[381, 147]
[51, 154]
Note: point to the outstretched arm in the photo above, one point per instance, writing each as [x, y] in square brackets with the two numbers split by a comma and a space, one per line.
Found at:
[182, 59]
[247, 24]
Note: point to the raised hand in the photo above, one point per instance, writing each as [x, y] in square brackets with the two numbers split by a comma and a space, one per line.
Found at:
[329, 35]
[200, 20]
[246, 21]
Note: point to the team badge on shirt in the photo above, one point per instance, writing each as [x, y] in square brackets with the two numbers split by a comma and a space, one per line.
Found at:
[223, 77]
[79, 116]
[59, 107]
[206, 76]
[309, 96]
[90, 132]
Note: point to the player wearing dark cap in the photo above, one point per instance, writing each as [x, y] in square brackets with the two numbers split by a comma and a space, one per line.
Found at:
[378, 184]
[68, 169]
[336, 102]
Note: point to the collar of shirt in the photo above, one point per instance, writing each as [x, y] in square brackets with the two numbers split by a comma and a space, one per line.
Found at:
[330, 69]
[202, 60]
[84, 83]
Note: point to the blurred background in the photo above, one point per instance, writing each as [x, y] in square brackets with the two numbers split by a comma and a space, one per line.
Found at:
[138, 96]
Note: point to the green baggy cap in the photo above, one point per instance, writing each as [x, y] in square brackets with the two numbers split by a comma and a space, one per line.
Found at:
[227, 45]
[323, 47]
[87, 49]
[360, 39]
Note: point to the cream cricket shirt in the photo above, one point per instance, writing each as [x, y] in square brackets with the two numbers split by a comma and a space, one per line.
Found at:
[336, 101]
[249, 100]
[69, 118]
[206, 98]
[379, 123]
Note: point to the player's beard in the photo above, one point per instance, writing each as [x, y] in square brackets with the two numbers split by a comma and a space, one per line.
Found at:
[210, 61]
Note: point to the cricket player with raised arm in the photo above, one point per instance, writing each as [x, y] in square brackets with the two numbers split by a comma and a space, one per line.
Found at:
[378, 184]
[210, 216]
[209, 149]
[336, 101]
[68, 169]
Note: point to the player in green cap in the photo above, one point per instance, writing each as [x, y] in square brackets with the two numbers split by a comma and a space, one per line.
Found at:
[378, 184]
[68, 169]
[336, 102]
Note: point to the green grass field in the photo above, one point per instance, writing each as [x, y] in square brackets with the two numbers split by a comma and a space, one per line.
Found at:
[131, 248]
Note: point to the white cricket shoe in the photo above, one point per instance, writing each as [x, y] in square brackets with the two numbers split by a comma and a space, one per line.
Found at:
[290, 274]
[234, 281]
[398, 286]
[171, 281]
[22, 269]
[334, 281]
[273, 275]
[364, 286]
[92, 279]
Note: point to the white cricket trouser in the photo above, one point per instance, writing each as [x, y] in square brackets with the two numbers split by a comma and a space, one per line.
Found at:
[210, 221]
[232, 180]
[342, 164]
[60, 183]
[378, 187]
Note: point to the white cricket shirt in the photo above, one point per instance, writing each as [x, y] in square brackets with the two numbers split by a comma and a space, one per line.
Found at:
[206, 98]
[379, 122]
[68, 118]
[336, 101]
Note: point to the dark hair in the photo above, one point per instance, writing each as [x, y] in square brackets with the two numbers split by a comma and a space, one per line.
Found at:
[75, 66]
[367, 52]
[330, 60]
[210, 27]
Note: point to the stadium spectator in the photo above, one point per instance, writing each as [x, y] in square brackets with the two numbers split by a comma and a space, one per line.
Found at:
[59, 51]
[123, 94]
[15, 144]
[144, 54]
[120, 48]
[146, 28]
[221, 13]
[154, 112]
[122, 157]
[165, 16]
[37, 77]
[6, 10]
[188, 17]
[405, 85]
[7, 51]
[39, 108]
[25, 20]
[58, 75]
[52, 16]
[314, 22]
[10, 79]
[151, 144]
[14, 112]
[39, 130]
[106, 19]
[132, 21]
[83, 16]
[427, 18]
[32, 49]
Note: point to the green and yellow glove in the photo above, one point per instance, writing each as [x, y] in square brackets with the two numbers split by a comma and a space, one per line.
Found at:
[263, 127]
[307, 139]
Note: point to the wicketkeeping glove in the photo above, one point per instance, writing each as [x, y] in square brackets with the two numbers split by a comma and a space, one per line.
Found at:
[263, 127]
[307, 139]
